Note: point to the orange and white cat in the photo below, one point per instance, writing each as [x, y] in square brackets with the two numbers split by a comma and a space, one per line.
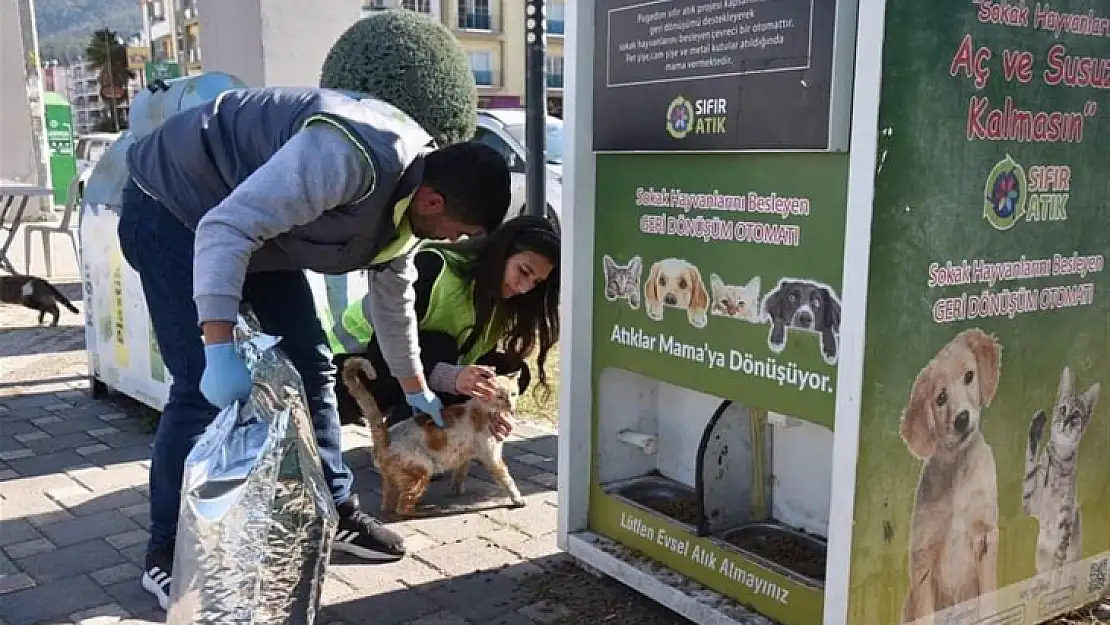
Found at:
[412, 451]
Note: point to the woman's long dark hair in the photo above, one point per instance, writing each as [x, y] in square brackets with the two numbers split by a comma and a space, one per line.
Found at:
[521, 321]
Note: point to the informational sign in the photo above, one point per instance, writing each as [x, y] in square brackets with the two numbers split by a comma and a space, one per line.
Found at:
[137, 58]
[721, 273]
[162, 70]
[984, 453]
[691, 75]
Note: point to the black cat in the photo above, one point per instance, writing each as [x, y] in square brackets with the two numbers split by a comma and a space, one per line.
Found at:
[34, 293]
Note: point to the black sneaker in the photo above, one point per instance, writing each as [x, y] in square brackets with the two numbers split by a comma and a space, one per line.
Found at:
[158, 574]
[363, 536]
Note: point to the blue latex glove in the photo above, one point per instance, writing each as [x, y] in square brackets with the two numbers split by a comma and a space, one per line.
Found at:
[226, 377]
[426, 401]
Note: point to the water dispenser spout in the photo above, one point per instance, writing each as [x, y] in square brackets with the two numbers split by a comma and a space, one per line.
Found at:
[645, 442]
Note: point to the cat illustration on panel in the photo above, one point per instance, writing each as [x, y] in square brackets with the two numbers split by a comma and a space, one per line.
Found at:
[1050, 483]
[623, 281]
[735, 301]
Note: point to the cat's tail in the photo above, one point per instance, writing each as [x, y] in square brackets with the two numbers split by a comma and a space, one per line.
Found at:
[62, 299]
[379, 433]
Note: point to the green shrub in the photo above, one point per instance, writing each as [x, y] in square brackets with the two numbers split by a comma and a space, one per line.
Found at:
[414, 63]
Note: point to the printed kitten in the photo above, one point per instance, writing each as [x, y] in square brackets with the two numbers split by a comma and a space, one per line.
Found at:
[623, 281]
[738, 302]
[412, 451]
[1049, 486]
[36, 294]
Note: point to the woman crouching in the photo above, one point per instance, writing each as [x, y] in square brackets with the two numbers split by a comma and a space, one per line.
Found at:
[484, 305]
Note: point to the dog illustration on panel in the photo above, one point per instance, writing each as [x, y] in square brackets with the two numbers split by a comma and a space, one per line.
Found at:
[803, 305]
[623, 281]
[676, 283]
[954, 525]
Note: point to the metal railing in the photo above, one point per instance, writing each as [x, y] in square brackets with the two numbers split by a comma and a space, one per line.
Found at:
[479, 20]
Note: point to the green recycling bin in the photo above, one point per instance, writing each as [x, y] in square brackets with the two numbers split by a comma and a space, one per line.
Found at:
[59, 137]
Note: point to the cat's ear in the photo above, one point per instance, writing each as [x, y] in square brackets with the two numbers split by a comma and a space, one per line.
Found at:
[715, 282]
[636, 264]
[607, 262]
[1090, 398]
[755, 284]
[1067, 382]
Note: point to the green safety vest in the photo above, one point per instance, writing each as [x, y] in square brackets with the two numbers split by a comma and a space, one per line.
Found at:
[450, 310]
[403, 241]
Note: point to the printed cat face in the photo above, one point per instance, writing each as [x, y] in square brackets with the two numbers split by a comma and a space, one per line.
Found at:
[1072, 413]
[623, 281]
[738, 302]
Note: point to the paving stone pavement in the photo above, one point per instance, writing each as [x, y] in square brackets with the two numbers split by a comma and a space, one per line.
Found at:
[73, 511]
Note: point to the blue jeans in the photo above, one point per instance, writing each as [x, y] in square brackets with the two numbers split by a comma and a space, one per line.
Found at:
[160, 248]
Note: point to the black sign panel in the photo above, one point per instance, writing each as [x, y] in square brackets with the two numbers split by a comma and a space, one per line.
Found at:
[713, 74]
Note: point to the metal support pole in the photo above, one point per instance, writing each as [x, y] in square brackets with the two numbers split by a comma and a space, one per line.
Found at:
[535, 100]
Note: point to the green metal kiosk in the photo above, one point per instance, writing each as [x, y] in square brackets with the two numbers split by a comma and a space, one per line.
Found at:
[836, 340]
[60, 139]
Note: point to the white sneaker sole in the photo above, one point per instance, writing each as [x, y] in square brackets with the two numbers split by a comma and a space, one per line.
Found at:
[153, 588]
[365, 554]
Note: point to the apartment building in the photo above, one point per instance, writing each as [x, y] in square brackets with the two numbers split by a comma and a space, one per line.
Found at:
[171, 28]
[492, 33]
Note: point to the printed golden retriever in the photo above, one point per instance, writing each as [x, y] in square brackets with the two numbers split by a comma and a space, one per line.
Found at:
[954, 533]
[676, 283]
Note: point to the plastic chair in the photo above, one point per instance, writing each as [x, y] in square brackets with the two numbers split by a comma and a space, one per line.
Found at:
[48, 229]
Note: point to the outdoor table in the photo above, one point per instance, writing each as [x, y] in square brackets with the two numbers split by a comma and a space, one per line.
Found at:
[14, 194]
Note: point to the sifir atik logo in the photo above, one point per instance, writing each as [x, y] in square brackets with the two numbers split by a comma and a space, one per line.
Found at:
[707, 116]
[1010, 195]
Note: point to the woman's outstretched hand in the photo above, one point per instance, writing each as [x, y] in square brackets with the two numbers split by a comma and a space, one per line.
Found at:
[476, 381]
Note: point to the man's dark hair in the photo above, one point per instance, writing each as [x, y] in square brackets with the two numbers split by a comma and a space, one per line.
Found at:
[473, 179]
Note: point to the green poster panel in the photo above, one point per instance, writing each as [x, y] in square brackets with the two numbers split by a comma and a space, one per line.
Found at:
[984, 452]
[59, 138]
[721, 273]
[162, 70]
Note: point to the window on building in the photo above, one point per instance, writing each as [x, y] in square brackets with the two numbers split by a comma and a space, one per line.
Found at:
[556, 18]
[420, 6]
[553, 67]
[481, 63]
[475, 15]
[156, 11]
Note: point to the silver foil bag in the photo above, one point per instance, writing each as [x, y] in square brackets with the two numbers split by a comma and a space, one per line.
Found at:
[257, 518]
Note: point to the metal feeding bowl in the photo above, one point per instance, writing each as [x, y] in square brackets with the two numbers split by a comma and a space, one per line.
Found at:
[795, 554]
[661, 495]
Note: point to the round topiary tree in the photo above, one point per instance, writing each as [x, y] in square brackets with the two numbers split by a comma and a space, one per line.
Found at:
[414, 63]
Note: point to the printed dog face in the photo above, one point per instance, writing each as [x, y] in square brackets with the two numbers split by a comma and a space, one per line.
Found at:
[950, 393]
[803, 305]
[675, 283]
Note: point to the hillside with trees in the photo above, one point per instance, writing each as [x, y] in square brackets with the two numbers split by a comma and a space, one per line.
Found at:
[65, 26]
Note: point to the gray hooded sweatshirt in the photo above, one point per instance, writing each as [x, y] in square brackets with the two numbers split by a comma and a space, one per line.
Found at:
[280, 179]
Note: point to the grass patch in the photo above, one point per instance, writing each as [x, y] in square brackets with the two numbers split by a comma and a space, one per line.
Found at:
[539, 403]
